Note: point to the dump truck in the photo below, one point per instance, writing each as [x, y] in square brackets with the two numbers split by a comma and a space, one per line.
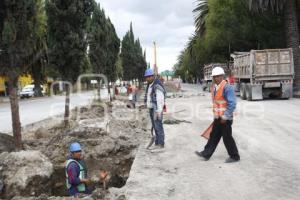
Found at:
[207, 73]
[261, 74]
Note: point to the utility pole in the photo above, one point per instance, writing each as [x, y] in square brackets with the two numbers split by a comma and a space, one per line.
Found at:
[155, 61]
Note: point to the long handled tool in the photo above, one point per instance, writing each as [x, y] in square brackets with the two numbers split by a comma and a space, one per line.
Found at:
[152, 138]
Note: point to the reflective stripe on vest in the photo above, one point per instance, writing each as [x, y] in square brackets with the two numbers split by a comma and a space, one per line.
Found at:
[219, 102]
[81, 186]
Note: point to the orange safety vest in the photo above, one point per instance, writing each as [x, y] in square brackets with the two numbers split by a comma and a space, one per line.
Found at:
[219, 102]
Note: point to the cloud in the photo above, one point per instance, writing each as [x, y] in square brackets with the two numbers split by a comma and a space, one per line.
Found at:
[168, 22]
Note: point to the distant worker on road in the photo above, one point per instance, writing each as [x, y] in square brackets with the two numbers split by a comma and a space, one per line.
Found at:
[76, 172]
[155, 101]
[224, 103]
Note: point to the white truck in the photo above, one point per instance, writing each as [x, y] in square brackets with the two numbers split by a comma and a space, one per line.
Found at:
[263, 74]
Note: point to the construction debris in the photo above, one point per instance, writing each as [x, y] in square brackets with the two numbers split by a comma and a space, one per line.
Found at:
[25, 173]
[109, 139]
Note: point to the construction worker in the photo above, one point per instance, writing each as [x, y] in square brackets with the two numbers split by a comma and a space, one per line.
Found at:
[224, 103]
[155, 101]
[76, 172]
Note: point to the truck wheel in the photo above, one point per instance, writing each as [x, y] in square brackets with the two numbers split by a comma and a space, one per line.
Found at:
[248, 92]
[243, 91]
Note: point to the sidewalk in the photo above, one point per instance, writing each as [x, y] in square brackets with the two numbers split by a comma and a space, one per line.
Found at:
[4, 99]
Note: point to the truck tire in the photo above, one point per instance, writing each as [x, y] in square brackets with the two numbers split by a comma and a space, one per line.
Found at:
[248, 92]
[243, 91]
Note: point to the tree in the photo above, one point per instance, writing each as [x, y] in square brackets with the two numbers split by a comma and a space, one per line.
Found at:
[128, 55]
[104, 46]
[201, 12]
[16, 45]
[229, 26]
[113, 48]
[133, 61]
[40, 47]
[67, 32]
[119, 68]
[288, 7]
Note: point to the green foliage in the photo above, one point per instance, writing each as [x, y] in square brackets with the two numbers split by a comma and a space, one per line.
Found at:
[119, 68]
[40, 47]
[263, 5]
[104, 45]
[229, 26]
[17, 42]
[201, 12]
[133, 59]
[16, 35]
[67, 30]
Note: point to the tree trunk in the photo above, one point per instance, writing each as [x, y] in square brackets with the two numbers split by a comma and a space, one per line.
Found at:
[37, 77]
[292, 39]
[14, 105]
[98, 89]
[67, 106]
[109, 93]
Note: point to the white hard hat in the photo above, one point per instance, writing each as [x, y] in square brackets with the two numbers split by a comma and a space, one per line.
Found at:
[217, 71]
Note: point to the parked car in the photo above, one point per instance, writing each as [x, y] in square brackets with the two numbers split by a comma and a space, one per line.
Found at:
[28, 91]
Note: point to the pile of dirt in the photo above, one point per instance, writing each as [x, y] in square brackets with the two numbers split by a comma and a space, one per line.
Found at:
[6, 143]
[24, 173]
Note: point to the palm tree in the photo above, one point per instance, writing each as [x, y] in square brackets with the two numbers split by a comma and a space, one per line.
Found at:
[201, 12]
[288, 7]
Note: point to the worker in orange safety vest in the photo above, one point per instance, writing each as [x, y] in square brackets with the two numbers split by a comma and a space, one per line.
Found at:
[224, 103]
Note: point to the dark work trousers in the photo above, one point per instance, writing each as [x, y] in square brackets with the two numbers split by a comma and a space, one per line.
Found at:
[221, 130]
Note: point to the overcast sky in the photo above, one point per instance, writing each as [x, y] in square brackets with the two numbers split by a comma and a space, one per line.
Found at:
[168, 22]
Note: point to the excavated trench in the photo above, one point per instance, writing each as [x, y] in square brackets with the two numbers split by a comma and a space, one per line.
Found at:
[117, 179]
[107, 145]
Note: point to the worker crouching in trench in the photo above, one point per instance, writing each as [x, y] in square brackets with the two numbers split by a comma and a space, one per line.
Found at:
[77, 181]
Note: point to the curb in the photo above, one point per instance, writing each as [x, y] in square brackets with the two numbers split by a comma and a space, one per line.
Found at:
[4, 100]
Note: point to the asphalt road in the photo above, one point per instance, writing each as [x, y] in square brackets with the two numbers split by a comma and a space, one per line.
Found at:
[38, 109]
[267, 135]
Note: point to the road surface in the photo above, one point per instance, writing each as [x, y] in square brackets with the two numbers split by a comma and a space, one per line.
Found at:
[34, 110]
[267, 135]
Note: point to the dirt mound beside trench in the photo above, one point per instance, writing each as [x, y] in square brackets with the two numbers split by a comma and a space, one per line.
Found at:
[24, 172]
[6, 143]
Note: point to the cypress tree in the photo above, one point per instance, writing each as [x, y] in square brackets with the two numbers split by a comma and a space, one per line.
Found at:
[67, 31]
[16, 50]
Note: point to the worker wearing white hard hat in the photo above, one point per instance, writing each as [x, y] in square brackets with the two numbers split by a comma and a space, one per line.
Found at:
[224, 103]
[217, 71]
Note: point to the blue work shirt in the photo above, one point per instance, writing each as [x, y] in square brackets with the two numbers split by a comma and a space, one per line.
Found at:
[73, 171]
[229, 95]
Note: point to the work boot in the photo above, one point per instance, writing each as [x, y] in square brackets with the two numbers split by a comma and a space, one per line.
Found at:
[201, 154]
[231, 160]
[157, 148]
